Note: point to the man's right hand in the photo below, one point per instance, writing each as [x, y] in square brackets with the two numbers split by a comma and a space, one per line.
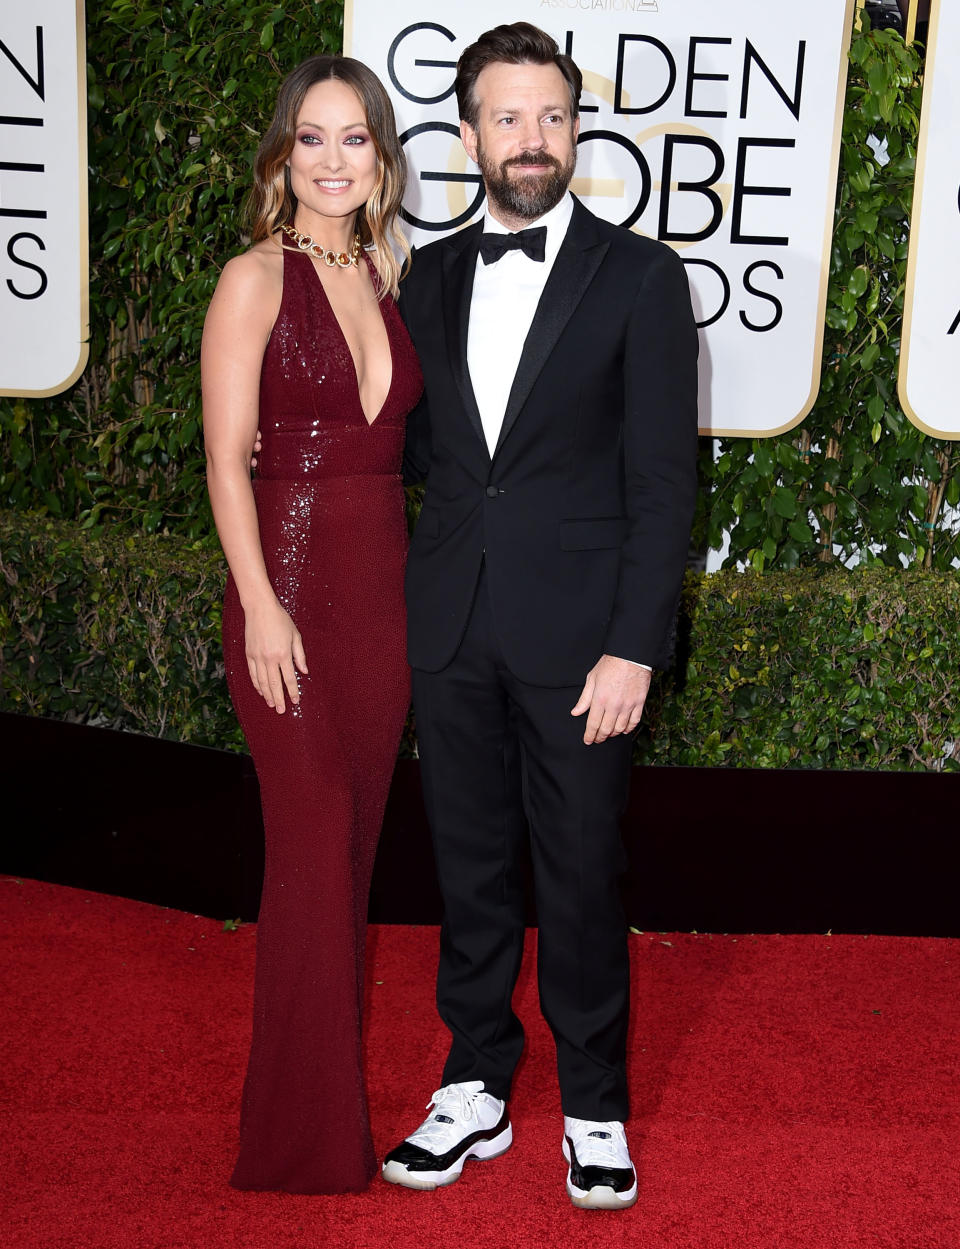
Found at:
[257, 448]
[614, 694]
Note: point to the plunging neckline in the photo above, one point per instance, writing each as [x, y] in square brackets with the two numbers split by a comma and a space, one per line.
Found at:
[356, 376]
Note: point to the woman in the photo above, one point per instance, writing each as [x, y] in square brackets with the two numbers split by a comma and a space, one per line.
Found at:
[303, 337]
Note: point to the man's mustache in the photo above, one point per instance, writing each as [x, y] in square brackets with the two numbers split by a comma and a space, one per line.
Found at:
[532, 158]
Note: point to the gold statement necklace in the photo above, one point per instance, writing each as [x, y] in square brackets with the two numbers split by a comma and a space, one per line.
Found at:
[342, 260]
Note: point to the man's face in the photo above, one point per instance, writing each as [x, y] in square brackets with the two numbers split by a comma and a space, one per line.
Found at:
[525, 141]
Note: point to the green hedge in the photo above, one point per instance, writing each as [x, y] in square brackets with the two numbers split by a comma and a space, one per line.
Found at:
[829, 669]
[114, 629]
[813, 669]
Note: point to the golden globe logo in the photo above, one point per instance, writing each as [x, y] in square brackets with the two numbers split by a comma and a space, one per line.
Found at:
[714, 128]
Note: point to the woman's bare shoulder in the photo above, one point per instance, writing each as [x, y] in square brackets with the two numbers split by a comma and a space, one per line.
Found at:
[252, 283]
[260, 265]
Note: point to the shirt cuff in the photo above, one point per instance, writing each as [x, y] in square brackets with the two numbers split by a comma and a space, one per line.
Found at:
[636, 664]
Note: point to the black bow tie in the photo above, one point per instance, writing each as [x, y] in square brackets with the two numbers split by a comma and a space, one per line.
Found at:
[532, 243]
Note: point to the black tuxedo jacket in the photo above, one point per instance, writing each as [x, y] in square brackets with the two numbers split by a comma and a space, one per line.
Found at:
[583, 512]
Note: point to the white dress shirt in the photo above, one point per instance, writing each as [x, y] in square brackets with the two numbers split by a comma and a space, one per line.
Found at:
[505, 297]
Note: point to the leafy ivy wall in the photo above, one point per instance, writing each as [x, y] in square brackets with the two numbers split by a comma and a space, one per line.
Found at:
[180, 91]
[856, 482]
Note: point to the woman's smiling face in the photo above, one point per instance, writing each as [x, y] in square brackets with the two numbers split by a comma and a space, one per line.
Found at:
[333, 165]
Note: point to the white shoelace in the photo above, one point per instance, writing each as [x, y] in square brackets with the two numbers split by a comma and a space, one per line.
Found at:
[594, 1150]
[455, 1102]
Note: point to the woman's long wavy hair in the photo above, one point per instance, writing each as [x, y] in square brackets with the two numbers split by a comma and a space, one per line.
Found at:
[272, 203]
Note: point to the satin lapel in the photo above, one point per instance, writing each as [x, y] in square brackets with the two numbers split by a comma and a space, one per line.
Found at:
[580, 255]
[459, 267]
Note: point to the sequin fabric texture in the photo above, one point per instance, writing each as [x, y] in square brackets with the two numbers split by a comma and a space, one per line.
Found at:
[330, 506]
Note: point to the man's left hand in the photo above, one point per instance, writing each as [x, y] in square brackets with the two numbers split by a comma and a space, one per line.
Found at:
[614, 693]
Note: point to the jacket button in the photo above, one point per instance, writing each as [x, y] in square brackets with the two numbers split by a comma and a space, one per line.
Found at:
[492, 492]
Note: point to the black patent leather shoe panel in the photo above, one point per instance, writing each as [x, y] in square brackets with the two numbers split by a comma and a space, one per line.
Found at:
[620, 1179]
[416, 1158]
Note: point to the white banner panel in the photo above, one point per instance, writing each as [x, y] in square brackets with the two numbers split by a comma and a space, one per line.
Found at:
[930, 351]
[715, 127]
[43, 196]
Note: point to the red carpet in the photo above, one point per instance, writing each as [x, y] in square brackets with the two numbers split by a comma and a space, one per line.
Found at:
[798, 1091]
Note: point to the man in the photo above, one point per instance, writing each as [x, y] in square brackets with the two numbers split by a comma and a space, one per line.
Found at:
[557, 437]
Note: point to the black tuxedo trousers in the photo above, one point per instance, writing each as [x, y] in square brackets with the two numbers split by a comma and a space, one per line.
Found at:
[501, 761]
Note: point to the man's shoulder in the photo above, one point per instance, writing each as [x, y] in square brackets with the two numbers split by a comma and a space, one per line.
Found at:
[625, 242]
[633, 261]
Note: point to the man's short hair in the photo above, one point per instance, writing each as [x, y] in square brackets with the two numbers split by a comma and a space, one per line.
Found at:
[520, 43]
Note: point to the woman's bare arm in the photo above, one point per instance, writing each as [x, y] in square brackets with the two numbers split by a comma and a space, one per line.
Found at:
[235, 333]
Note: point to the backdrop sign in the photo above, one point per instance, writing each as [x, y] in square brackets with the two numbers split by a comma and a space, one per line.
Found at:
[43, 197]
[714, 127]
[930, 352]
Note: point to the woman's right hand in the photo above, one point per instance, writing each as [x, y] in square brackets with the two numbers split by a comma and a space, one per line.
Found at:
[273, 648]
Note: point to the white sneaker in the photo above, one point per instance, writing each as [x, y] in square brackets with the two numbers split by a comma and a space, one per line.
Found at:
[601, 1175]
[465, 1123]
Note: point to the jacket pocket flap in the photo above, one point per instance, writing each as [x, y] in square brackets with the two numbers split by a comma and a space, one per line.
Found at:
[592, 535]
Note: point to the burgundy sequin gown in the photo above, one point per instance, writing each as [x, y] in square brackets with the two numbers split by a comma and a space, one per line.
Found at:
[331, 513]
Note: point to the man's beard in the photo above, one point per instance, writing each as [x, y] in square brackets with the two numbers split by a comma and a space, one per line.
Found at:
[526, 197]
